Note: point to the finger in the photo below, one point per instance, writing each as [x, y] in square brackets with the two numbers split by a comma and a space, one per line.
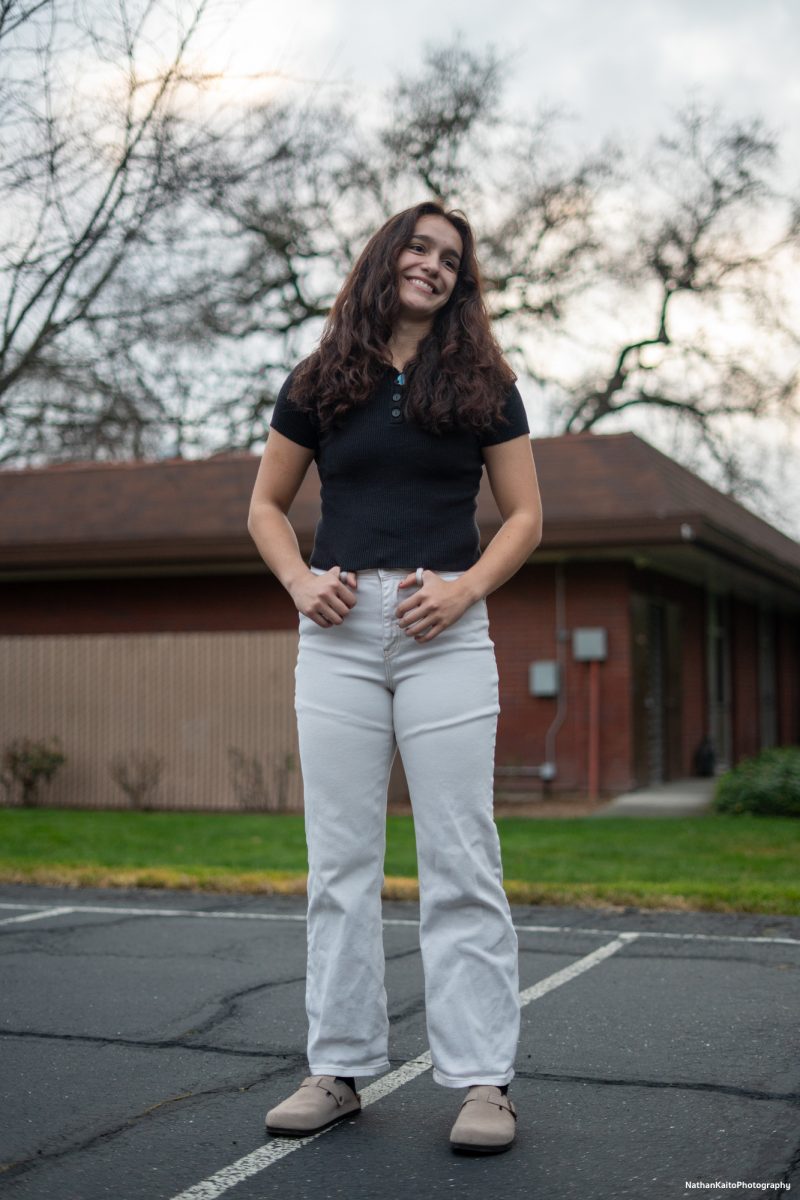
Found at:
[338, 599]
[334, 610]
[427, 636]
[345, 596]
[411, 603]
[409, 616]
[343, 586]
[348, 579]
[415, 627]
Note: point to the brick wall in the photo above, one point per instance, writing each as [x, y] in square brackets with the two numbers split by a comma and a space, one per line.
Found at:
[523, 623]
[162, 604]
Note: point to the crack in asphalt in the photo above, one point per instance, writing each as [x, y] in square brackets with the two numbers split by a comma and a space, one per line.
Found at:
[792, 1172]
[19, 1167]
[681, 1085]
[140, 1044]
[537, 1076]
[227, 1005]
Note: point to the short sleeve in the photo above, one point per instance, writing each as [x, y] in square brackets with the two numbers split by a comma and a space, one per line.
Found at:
[516, 422]
[294, 424]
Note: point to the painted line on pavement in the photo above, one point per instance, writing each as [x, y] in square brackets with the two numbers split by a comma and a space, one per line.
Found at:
[257, 1161]
[143, 911]
[41, 915]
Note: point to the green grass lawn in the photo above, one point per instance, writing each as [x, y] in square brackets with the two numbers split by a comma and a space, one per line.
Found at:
[723, 863]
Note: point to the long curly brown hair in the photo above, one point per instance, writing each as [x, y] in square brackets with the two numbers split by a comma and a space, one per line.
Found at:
[458, 379]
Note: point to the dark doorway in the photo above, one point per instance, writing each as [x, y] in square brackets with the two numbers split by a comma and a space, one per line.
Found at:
[719, 679]
[767, 680]
[656, 660]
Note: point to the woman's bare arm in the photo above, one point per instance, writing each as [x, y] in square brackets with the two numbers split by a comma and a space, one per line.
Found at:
[281, 471]
[512, 478]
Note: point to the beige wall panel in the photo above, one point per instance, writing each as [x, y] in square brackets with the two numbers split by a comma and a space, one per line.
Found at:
[187, 697]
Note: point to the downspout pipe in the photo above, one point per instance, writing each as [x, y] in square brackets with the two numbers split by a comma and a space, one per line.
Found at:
[549, 769]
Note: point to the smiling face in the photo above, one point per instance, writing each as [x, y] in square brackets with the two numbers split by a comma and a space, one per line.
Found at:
[427, 268]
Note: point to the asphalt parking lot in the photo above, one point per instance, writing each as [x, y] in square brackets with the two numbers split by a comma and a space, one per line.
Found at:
[145, 1035]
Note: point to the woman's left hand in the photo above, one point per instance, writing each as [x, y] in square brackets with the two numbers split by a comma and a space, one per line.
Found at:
[436, 606]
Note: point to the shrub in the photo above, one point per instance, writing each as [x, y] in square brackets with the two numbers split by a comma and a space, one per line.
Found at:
[250, 785]
[767, 784]
[138, 774]
[247, 779]
[26, 763]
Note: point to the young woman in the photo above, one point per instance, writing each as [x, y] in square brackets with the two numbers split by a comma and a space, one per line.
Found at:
[406, 400]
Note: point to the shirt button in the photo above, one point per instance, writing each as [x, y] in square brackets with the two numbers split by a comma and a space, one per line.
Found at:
[396, 396]
[395, 412]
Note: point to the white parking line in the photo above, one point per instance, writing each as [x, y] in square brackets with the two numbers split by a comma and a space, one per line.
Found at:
[575, 969]
[143, 911]
[656, 933]
[35, 916]
[278, 1148]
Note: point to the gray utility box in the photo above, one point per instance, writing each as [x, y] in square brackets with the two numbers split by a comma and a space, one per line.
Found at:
[543, 679]
[589, 645]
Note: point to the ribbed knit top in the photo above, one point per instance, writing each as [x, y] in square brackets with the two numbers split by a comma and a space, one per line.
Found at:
[393, 494]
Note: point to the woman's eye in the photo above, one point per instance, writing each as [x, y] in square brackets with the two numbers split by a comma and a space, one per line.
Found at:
[417, 246]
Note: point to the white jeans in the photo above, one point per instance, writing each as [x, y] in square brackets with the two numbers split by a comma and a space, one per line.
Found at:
[363, 688]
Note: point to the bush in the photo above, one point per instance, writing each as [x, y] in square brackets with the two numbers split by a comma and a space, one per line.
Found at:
[26, 763]
[138, 773]
[250, 785]
[767, 784]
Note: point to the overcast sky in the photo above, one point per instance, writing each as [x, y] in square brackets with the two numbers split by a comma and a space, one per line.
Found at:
[617, 65]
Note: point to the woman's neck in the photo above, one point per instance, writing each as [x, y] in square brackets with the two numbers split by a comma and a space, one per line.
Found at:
[405, 340]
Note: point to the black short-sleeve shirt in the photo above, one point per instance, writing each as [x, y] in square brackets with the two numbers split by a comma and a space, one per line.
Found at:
[393, 494]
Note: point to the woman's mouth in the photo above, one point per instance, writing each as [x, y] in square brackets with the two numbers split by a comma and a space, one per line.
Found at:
[421, 284]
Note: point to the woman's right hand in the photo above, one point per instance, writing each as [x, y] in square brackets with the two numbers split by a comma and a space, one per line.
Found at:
[324, 598]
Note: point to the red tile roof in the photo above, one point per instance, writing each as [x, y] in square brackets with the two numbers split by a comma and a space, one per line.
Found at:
[597, 491]
[612, 487]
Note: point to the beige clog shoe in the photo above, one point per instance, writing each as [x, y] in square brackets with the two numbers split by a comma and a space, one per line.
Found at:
[486, 1122]
[318, 1102]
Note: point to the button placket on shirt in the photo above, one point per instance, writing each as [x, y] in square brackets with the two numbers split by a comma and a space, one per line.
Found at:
[396, 409]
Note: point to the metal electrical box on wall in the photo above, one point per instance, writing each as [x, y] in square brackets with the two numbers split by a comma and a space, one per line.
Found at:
[543, 679]
[589, 645]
